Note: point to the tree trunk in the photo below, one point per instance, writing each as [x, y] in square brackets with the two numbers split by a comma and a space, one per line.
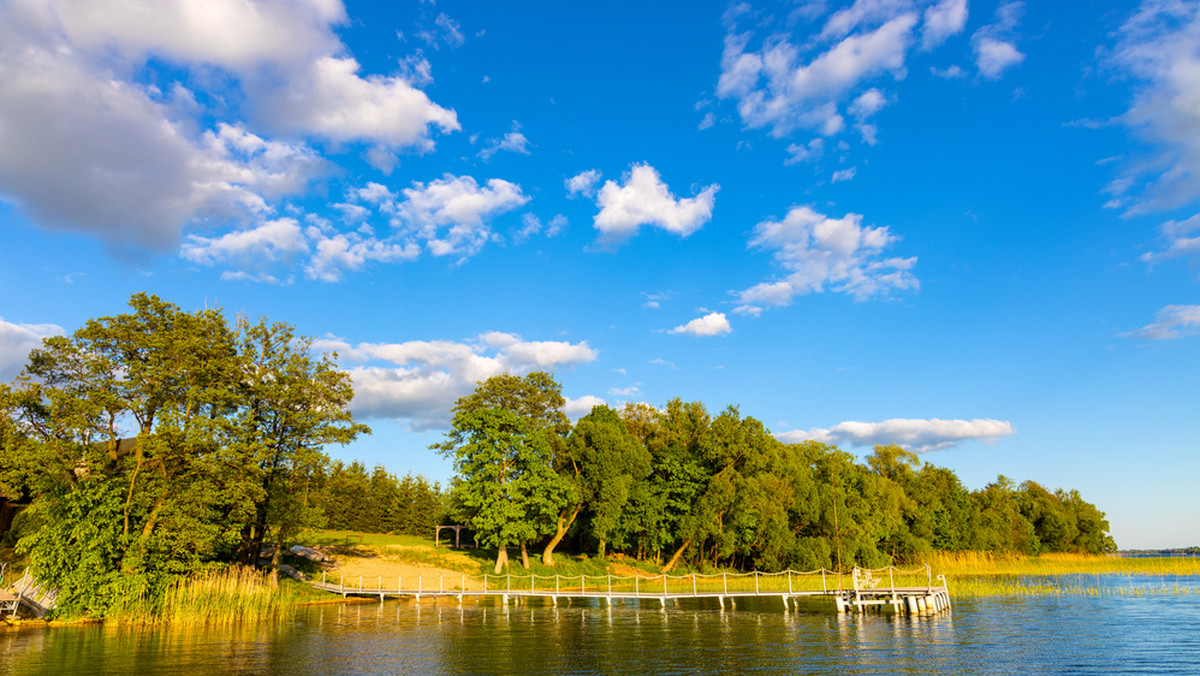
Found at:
[275, 559]
[600, 552]
[675, 558]
[524, 556]
[501, 558]
[564, 524]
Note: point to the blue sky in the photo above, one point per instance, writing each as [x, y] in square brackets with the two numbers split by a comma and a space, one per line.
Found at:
[963, 226]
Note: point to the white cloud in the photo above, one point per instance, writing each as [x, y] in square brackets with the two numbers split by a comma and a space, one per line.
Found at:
[949, 73]
[843, 175]
[1173, 321]
[86, 146]
[782, 87]
[646, 200]
[1160, 50]
[577, 408]
[868, 103]
[417, 382]
[445, 31]
[16, 340]
[994, 49]
[805, 153]
[272, 241]
[514, 141]
[1183, 240]
[451, 214]
[337, 252]
[711, 324]
[942, 20]
[916, 435]
[532, 225]
[583, 183]
[993, 57]
[631, 391]
[332, 101]
[822, 252]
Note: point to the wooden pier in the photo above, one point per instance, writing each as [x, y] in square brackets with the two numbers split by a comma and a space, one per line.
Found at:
[913, 591]
[29, 594]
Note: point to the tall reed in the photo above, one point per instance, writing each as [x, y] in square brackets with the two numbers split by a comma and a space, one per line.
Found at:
[220, 596]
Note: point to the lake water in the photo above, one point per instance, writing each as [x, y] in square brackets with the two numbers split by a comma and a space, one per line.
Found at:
[1152, 633]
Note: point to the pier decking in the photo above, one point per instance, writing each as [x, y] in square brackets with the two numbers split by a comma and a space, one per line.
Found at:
[913, 591]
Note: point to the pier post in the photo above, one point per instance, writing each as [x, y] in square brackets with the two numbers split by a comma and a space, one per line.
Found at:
[636, 577]
[664, 586]
[379, 588]
[756, 583]
[342, 585]
[789, 580]
[721, 600]
[693, 584]
[840, 603]
[610, 590]
[911, 602]
[725, 582]
[785, 603]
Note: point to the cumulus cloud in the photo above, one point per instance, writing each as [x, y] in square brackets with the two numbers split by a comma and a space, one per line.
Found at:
[995, 50]
[87, 146]
[417, 382]
[451, 214]
[577, 408]
[583, 183]
[810, 152]
[514, 142]
[645, 200]
[272, 241]
[916, 435]
[1173, 321]
[802, 73]
[942, 20]
[819, 252]
[16, 340]
[711, 324]
[784, 87]
[1160, 50]
[843, 175]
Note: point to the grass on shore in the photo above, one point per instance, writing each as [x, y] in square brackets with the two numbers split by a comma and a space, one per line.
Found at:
[221, 596]
[978, 574]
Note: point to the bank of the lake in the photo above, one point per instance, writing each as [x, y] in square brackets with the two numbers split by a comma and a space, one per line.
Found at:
[1072, 633]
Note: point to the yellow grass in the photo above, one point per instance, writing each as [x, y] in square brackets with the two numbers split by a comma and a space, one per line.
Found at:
[1005, 574]
[218, 597]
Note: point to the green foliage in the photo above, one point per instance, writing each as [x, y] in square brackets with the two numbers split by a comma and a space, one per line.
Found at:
[505, 481]
[158, 441]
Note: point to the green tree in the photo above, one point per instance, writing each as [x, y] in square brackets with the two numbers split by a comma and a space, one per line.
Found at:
[504, 478]
[606, 463]
[172, 437]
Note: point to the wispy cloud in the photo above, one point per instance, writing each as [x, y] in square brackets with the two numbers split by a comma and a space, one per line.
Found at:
[916, 435]
[1173, 321]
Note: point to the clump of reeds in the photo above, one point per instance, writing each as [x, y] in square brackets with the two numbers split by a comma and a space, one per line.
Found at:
[219, 596]
[224, 596]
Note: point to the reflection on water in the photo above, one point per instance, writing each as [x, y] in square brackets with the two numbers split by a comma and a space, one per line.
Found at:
[1068, 634]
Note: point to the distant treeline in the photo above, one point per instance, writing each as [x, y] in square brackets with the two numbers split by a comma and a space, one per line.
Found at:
[681, 485]
[380, 502]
